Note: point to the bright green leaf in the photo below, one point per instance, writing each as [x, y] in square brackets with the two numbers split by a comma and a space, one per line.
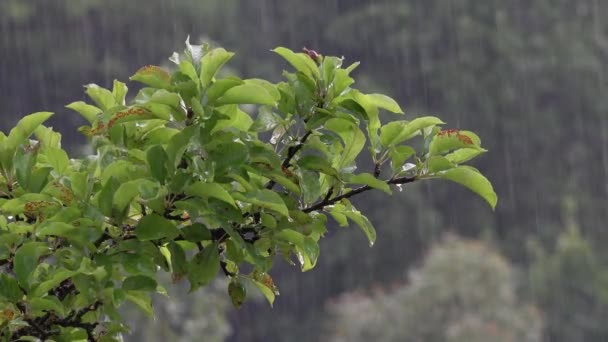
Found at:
[214, 190]
[473, 180]
[212, 62]
[300, 61]
[369, 179]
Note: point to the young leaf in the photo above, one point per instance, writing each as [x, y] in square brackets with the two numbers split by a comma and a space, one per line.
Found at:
[211, 63]
[102, 97]
[300, 61]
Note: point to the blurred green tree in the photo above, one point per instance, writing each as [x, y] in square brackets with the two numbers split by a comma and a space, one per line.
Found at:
[570, 283]
[463, 292]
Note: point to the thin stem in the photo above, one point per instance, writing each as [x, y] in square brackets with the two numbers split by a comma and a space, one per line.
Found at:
[326, 202]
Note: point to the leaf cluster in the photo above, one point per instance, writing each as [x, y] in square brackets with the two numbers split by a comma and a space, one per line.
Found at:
[197, 175]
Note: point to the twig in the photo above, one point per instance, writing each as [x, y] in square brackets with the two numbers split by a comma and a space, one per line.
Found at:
[325, 202]
[291, 152]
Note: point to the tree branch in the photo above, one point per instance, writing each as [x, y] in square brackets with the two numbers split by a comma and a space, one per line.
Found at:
[326, 202]
[291, 152]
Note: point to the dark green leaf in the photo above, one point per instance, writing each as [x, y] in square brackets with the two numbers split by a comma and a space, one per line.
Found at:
[204, 266]
[26, 260]
[154, 227]
[139, 282]
[237, 293]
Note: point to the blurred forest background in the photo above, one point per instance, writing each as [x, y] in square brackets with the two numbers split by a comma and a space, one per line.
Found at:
[529, 76]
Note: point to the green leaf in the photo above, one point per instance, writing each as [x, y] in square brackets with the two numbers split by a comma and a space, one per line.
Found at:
[26, 260]
[142, 299]
[437, 164]
[300, 61]
[369, 179]
[397, 131]
[25, 127]
[265, 284]
[179, 265]
[265, 121]
[102, 97]
[316, 163]
[228, 155]
[307, 248]
[89, 112]
[60, 229]
[196, 232]
[57, 158]
[127, 191]
[219, 87]
[56, 278]
[263, 198]
[155, 227]
[475, 181]
[385, 102]
[157, 162]
[204, 266]
[352, 137]
[206, 190]
[177, 146]
[24, 161]
[463, 155]
[445, 141]
[47, 304]
[212, 62]
[246, 94]
[189, 70]
[153, 76]
[9, 288]
[139, 282]
[47, 137]
[119, 90]
[237, 293]
[339, 212]
[398, 155]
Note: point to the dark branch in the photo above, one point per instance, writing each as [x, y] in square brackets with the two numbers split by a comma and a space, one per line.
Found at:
[291, 152]
[325, 202]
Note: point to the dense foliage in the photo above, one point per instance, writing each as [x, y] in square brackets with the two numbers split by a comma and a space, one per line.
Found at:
[184, 179]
